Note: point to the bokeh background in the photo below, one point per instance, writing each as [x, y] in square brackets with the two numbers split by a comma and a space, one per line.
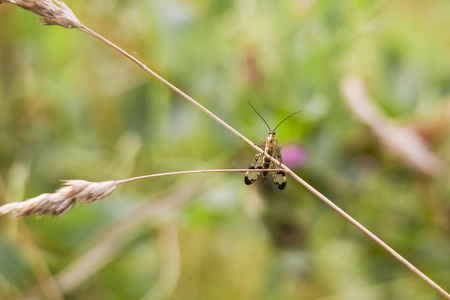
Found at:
[373, 79]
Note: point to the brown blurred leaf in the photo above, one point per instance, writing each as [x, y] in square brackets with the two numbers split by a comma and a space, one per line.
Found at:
[401, 141]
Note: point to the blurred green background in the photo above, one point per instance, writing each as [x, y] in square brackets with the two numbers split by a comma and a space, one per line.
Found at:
[72, 108]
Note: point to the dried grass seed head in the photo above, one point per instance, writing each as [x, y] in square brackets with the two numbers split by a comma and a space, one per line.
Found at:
[54, 12]
[62, 200]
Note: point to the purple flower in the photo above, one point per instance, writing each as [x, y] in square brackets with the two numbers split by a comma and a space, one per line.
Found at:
[294, 156]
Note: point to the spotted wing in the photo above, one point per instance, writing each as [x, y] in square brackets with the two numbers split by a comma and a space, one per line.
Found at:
[279, 177]
[257, 163]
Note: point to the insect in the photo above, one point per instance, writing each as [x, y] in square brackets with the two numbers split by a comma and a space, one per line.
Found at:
[271, 147]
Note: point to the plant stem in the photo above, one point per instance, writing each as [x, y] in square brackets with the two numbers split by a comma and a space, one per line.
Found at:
[285, 168]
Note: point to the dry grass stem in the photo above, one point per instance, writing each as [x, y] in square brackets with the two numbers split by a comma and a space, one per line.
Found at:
[62, 200]
[54, 12]
[194, 172]
[282, 166]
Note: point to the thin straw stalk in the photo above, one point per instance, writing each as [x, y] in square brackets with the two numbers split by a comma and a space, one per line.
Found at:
[52, 18]
[282, 166]
[63, 199]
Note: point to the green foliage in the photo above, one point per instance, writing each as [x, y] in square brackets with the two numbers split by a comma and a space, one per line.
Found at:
[71, 108]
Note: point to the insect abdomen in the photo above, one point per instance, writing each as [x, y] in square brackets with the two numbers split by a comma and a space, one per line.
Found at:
[266, 165]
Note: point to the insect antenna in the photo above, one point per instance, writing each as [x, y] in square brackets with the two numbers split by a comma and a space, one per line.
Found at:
[287, 118]
[262, 117]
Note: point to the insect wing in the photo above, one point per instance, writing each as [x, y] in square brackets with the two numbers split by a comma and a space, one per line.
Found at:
[279, 177]
[257, 163]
